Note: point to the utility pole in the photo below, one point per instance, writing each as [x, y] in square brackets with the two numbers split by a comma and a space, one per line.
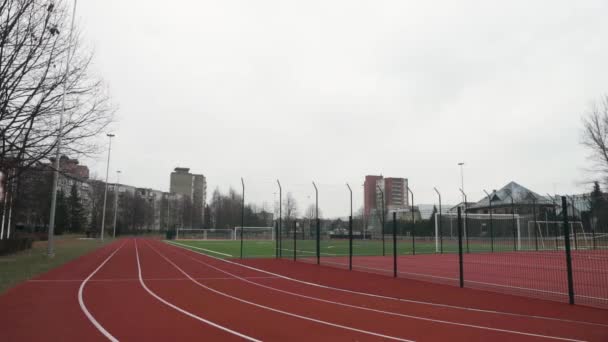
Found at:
[105, 193]
[50, 244]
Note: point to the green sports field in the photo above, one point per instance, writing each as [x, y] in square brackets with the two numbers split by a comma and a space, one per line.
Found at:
[328, 248]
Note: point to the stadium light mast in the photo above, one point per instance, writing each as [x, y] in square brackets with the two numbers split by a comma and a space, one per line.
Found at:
[105, 192]
[51, 233]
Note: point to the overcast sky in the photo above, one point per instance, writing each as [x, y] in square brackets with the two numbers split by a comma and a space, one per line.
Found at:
[333, 90]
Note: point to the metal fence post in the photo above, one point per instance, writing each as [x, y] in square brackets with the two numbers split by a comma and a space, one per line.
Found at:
[491, 222]
[350, 243]
[460, 267]
[440, 227]
[394, 244]
[568, 254]
[413, 223]
[280, 220]
[383, 221]
[295, 234]
[573, 220]
[242, 216]
[276, 239]
[318, 225]
[535, 223]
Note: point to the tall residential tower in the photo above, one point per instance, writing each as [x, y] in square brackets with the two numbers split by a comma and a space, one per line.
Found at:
[194, 187]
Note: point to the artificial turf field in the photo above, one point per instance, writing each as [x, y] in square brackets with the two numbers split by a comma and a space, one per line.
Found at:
[336, 247]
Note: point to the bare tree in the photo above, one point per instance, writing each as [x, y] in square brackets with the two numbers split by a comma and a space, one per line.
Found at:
[595, 136]
[34, 44]
[290, 208]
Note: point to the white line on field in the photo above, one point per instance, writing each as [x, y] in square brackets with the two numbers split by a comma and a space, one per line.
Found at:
[187, 313]
[366, 294]
[209, 250]
[391, 313]
[335, 325]
[83, 307]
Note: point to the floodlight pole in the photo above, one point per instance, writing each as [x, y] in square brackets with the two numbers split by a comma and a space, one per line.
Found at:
[105, 192]
[279, 242]
[51, 232]
[317, 222]
[466, 223]
[491, 222]
[115, 202]
[440, 228]
[513, 220]
[242, 215]
[413, 223]
[382, 229]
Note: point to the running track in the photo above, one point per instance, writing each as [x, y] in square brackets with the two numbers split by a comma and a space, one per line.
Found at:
[143, 289]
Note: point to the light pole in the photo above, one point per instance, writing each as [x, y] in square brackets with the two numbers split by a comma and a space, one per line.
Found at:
[105, 193]
[461, 164]
[115, 202]
[50, 244]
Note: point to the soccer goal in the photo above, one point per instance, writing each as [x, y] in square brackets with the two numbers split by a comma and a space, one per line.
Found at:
[204, 234]
[254, 233]
[551, 234]
[478, 229]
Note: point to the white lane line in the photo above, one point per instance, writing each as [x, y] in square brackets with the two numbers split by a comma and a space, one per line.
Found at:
[390, 313]
[83, 307]
[178, 245]
[209, 250]
[277, 310]
[187, 313]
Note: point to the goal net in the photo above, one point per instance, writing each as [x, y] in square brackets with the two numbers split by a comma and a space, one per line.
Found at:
[204, 234]
[480, 232]
[550, 234]
[254, 233]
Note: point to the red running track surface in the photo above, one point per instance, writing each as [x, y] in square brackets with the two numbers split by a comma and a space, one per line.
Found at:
[535, 274]
[142, 289]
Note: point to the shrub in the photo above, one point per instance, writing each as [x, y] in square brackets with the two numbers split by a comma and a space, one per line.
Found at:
[15, 245]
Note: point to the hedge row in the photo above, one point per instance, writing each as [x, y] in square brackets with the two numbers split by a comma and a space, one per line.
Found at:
[9, 246]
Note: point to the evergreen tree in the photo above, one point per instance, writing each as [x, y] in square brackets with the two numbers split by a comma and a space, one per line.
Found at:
[598, 206]
[76, 210]
[61, 213]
